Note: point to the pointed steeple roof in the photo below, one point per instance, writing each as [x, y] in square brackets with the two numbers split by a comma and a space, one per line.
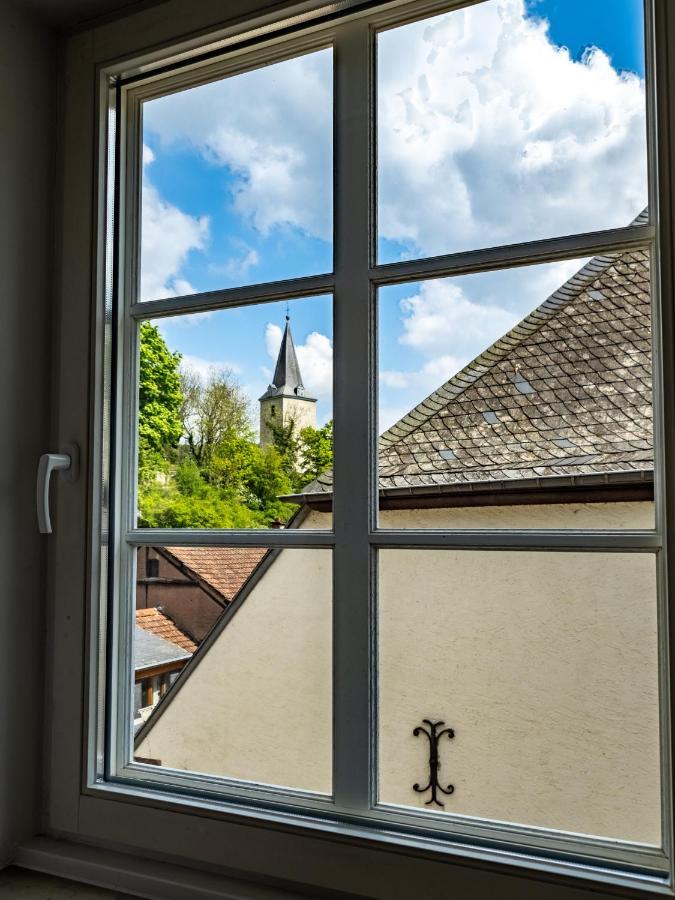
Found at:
[287, 379]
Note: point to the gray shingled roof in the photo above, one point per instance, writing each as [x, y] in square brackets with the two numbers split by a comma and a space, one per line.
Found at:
[568, 391]
[151, 650]
[287, 379]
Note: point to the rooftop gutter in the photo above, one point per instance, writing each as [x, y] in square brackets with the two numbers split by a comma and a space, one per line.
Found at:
[596, 481]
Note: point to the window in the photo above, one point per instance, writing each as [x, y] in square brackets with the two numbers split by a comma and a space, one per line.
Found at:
[471, 570]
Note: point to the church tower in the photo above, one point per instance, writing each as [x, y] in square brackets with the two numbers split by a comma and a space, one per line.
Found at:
[284, 401]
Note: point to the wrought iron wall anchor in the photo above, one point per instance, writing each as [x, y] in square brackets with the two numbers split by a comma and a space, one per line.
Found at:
[434, 735]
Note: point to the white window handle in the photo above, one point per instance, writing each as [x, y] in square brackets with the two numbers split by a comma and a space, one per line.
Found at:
[49, 462]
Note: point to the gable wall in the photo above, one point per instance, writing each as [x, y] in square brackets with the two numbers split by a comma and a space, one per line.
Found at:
[189, 605]
[544, 663]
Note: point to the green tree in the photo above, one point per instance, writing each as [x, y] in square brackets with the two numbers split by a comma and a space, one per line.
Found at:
[160, 400]
[196, 431]
[286, 443]
[315, 451]
[214, 411]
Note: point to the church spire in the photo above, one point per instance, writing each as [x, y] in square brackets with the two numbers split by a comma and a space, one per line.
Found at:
[285, 402]
[287, 378]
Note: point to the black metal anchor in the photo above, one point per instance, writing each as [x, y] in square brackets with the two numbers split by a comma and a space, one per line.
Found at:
[434, 762]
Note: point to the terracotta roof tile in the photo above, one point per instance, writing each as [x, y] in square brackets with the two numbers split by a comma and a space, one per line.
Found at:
[155, 621]
[225, 568]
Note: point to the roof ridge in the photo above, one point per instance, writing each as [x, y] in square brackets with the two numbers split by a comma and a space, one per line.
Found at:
[456, 385]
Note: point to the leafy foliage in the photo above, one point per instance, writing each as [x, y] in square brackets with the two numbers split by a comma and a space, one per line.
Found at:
[199, 463]
[159, 399]
[316, 451]
[213, 412]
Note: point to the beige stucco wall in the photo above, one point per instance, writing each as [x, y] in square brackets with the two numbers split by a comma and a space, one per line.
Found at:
[558, 516]
[544, 663]
[259, 704]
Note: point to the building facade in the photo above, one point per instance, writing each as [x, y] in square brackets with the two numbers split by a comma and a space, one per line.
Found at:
[545, 664]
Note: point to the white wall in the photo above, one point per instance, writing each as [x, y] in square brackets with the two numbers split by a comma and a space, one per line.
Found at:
[259, 704]
[544, 663]
[27, 143]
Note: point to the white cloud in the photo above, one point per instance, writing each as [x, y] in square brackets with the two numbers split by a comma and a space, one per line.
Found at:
[273, 335]
[441, 322]
[239, 266]
[206, 367]
[168, 236]
[316, 364]
[489, 133]
[273, 128]
[315, 357]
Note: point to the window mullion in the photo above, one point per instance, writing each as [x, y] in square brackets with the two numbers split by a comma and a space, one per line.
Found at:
[353, 417]
[614, 240]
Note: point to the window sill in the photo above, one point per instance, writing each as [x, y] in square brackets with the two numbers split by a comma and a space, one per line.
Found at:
[355, 859]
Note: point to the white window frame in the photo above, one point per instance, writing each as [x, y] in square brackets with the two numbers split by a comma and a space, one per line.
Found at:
[100, 783]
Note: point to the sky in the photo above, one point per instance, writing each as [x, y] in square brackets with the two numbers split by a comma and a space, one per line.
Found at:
[510, 120]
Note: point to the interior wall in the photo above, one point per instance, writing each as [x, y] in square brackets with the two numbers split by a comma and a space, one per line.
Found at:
[27, 146]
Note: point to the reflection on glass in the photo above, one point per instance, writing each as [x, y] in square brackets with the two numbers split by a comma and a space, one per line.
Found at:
[235, 416]
[545, 666]
[232, 663]
[507, 121]
[540, 414]
[237, 180]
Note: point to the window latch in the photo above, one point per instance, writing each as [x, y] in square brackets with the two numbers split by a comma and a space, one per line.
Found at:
[50, 462]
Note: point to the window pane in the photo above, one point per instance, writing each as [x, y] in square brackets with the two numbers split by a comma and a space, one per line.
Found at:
[508, 121]
[540, 414]
[235, 416]
[237, 180]
[233, 663]
[545, 667]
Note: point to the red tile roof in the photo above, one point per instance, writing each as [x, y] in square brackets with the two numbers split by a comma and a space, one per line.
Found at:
[226, 569]
[156, 621]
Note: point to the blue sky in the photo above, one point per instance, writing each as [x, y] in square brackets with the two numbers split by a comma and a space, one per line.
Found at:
[489, 133]
[615, 25]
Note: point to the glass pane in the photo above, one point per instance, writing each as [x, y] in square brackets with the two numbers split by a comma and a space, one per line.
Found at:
[545, 667]
[540, 414]
[237, 180]
[235, 416]
[232, 658]
[508, 121]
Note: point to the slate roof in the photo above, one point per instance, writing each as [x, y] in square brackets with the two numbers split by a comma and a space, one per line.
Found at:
[566, 392]
[151, 651]
[155, 621]
[224, 568]
[287, 380]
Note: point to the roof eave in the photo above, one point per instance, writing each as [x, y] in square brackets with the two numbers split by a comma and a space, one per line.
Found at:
[534, 486]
